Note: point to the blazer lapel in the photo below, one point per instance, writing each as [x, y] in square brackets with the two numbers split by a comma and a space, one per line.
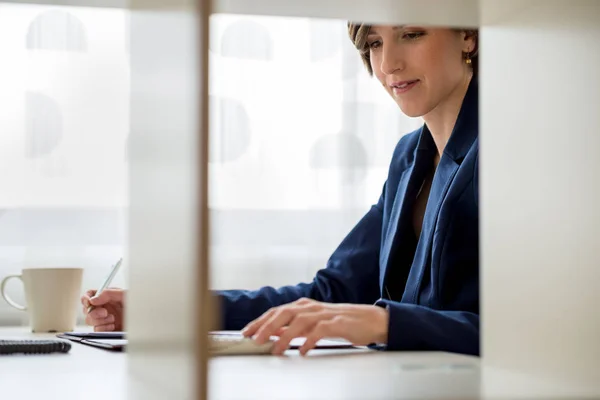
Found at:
[463, 136]
[408, 187]
[444, 176]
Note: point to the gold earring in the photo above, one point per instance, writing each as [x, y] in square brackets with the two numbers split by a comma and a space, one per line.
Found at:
[468, 58]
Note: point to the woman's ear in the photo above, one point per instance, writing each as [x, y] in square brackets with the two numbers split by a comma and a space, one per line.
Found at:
[470, 42]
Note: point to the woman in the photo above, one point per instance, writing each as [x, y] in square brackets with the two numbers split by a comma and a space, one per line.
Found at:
[407, 276]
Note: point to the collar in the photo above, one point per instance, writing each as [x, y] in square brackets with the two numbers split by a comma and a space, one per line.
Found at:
[465, 129]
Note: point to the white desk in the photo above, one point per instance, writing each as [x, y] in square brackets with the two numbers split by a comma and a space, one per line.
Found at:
[75, 375]
[89, 373]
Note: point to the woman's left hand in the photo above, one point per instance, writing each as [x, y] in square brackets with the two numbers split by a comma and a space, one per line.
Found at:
[359, 324]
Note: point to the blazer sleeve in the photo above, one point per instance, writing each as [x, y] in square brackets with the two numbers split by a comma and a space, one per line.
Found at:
[351, 275]
[415, 327]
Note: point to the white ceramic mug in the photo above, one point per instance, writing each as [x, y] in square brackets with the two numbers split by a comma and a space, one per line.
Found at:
[52, 296]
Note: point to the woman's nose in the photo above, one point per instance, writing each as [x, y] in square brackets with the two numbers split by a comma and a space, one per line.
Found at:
[391, 60]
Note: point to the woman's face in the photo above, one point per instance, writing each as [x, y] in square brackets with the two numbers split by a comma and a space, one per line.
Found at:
[419, 67]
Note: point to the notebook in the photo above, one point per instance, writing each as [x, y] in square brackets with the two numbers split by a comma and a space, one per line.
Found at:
[114, 341]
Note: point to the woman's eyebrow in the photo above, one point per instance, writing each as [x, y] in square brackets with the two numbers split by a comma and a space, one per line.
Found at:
[373, 30]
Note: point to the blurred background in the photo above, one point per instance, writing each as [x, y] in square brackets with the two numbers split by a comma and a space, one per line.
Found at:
[301, 138]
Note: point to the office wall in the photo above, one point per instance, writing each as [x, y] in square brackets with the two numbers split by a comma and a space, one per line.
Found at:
[540, 197]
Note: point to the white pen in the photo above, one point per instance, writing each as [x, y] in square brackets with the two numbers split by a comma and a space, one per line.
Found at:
[107, 281]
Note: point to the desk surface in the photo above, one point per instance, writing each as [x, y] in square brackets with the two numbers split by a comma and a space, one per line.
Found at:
[91, 373]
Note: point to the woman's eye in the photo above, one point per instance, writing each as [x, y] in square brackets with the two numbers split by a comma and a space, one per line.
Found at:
[375, 44]
[413, 35]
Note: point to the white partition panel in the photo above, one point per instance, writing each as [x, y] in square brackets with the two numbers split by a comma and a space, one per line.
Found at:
[78, 3]
[434, 12]
[167, 238]
[540, 198]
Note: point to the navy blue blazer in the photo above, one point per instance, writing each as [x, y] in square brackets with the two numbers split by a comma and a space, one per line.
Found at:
[429, 285]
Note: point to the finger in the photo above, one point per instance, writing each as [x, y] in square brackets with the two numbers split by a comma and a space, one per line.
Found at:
[102, 321]
[106, 296]
[283, 317]
[104, 328]
[301, 324]
[96, 314]
[281, 331]
[85, 299]
[321, 330]
[279, 319]
[250, 329]
[87, 308]
[303, 301]
[303, 304]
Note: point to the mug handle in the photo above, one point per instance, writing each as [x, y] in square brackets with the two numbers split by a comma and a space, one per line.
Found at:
[8, 299]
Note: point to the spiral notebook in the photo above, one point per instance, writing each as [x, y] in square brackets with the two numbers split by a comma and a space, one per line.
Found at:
[33, 346]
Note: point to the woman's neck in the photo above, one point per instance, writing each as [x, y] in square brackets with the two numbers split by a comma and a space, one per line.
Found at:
[441, 120]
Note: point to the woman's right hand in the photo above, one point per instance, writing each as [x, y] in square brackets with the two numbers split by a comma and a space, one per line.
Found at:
[106, 312]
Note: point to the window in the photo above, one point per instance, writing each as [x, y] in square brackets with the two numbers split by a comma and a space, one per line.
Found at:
[63, 141]
[301, 142]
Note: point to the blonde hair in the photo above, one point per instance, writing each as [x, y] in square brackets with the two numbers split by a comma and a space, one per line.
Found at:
[359, 32]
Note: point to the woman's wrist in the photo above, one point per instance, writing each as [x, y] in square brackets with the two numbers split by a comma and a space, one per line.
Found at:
[383, 318]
